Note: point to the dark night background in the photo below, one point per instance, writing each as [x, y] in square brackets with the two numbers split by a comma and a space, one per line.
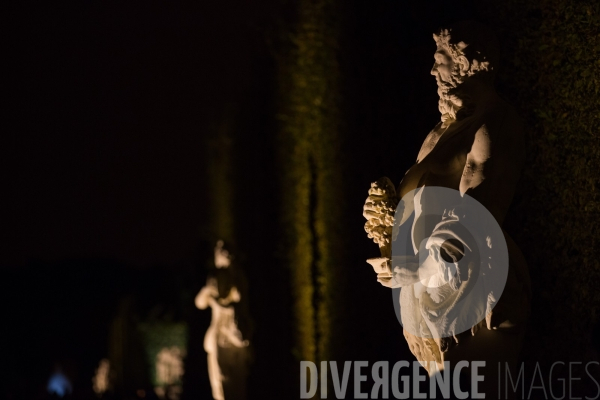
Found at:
[106, 184]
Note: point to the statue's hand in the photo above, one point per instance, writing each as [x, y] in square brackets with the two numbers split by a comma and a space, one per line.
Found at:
[234, 295]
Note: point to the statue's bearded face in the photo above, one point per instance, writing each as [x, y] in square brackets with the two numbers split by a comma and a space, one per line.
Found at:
[448, 72]
[451, 69]
[442, 70]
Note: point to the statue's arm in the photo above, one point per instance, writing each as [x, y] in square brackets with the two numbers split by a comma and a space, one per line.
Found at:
[491, 173]
[494, 163]
[205, 297]
[477, 161]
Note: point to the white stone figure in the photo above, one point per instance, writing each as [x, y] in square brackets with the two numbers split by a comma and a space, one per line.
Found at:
[223, 331]
[101, 380]
[477, 149]
[169, 365]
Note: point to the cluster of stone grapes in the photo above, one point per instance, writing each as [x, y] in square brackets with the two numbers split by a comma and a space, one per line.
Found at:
[383, 203]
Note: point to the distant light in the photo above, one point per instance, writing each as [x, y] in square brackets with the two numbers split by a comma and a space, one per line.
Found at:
[59, 384]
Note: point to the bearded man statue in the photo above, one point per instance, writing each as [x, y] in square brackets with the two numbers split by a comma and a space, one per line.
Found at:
[464, 290]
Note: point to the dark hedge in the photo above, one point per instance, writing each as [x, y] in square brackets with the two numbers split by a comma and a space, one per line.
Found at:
[308, 153]
[550, 70]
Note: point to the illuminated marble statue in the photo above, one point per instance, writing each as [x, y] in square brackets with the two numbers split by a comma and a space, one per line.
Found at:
[223, 332]
[476, 149]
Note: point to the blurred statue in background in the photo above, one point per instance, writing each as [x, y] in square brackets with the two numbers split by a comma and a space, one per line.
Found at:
[477, 150]
[223, 342]
[101, 379]
[169, 365]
